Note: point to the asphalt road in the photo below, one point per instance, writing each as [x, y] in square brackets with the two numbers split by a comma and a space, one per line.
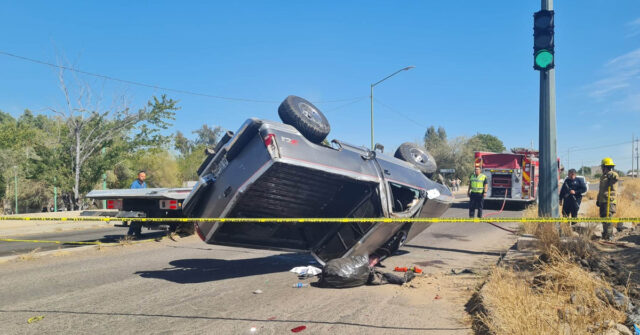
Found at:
[191, 287]
[105, 235]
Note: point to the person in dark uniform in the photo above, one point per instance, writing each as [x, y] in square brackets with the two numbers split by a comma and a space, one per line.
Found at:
[477, 190]
[571, 195]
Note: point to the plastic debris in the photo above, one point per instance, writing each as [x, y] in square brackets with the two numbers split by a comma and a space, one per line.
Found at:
[253, 329]
[437, 297]
[300, 285]
[414, 269]
[271, 318]
[35, 319]
[636, 329]
[257, 292]
[298, 329]
[345, 272]
[306, 271]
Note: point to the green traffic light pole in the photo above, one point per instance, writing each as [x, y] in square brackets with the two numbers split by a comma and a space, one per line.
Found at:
[548, 205]
[378, 82]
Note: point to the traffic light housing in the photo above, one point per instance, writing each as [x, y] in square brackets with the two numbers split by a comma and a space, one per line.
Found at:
[543, 40]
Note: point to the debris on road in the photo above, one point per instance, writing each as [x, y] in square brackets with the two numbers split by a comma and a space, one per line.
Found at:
[257, 292]
[381, 278]
[306, 271]
[437, 297]
[461, 272]
[414, 269]
[300, 285]
[35, 319]
[345, 272]
[298, 329]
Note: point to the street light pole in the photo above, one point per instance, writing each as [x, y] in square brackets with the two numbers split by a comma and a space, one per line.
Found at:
[373, 85]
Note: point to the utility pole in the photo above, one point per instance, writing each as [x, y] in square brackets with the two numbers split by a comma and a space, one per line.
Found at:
[15, 186]
[637, 159]
[632, 170]
[544, 62]
[55, 194]
[104, 182]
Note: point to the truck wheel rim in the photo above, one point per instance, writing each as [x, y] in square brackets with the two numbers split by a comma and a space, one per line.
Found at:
[310, 113]
[418, 156]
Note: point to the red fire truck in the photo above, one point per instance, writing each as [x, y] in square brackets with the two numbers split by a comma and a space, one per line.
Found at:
[511, 176]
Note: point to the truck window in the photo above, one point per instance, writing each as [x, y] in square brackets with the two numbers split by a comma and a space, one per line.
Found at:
[404, 198]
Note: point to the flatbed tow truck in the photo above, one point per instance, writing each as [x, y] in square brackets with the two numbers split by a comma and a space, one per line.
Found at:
[147, 203]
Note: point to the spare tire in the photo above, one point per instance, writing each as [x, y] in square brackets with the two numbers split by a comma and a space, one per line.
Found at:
[305, 117]
[417, 156]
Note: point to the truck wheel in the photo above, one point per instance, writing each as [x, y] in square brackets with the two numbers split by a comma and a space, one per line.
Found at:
[305, 117]
[417, 156]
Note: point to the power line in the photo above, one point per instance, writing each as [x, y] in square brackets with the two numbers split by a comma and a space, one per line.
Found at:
[600, 147]
[175, 90]
[422, 126]
[345, 105]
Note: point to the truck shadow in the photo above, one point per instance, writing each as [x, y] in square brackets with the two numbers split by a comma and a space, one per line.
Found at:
[200, 270]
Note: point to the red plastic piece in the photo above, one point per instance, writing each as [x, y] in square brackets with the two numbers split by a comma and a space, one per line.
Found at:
[298, 329]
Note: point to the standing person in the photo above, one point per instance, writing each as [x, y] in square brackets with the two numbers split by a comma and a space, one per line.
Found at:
[607, 196]
[477, 189]
[135, 228]
[139, 182]
[571, 194]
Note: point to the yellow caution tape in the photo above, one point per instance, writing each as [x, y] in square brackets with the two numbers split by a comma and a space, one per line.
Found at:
[327, 220]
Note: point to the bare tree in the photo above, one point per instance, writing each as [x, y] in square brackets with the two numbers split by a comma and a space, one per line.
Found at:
[91, 128]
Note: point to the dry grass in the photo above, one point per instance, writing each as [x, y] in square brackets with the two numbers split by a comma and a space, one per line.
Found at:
[549, 234]
[126, 240]
[629, 200]
[560, 299]
[591, 195]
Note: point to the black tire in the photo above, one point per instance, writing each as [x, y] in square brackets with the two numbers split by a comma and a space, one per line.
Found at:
[305, 117]
[417, 156]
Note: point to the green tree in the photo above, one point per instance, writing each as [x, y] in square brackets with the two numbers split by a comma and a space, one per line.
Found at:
[486, 142]
[207, 136]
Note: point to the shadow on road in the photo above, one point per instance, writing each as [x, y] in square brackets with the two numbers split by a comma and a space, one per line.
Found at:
[200, 270]
[220, 318]
[454, 237]
[471, 252]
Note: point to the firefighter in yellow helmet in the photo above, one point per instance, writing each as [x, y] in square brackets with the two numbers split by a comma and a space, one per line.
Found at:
[477, 189]
[607, 196]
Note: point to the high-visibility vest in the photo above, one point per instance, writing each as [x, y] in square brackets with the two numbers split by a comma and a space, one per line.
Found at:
[477, 183]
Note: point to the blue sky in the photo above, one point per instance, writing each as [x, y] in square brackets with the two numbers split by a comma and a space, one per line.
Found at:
[473, 64]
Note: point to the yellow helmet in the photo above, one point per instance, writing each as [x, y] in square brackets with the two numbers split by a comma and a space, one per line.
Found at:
[607, 161]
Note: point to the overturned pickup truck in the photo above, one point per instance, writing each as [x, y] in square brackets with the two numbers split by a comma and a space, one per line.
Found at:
[269, 169]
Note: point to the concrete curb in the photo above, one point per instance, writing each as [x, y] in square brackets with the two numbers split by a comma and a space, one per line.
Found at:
[5, 259]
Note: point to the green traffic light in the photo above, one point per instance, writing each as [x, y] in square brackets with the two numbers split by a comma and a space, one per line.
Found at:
[544, 58]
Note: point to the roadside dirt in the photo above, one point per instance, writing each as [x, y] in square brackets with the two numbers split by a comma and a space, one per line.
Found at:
[20, 228]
